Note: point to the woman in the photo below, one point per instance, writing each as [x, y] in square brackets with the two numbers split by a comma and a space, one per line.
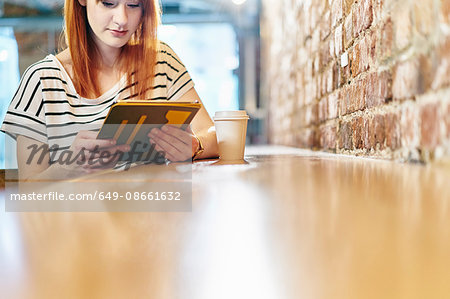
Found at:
[113, 54]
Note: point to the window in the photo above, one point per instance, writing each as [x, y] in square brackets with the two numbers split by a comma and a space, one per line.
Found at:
[9, 80]
[210, 53]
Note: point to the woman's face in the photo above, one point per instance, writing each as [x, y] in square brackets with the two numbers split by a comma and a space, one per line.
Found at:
[113, 22]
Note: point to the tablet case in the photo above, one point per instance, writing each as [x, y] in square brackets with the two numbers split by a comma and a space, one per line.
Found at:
[129, 122]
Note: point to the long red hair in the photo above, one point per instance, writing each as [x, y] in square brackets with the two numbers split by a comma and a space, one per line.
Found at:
[137, 59]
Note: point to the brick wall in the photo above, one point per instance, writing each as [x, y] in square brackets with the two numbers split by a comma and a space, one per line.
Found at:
[366, 77]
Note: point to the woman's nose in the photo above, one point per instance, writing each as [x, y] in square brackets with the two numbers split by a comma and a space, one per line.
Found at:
[120, 16]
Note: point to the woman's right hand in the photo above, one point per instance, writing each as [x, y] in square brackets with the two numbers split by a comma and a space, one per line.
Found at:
[93, 154]
[86, 155]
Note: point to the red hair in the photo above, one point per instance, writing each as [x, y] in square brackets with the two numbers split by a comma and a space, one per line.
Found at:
[137, 59]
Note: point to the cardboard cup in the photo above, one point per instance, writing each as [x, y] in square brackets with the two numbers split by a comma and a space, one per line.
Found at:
[231, 130]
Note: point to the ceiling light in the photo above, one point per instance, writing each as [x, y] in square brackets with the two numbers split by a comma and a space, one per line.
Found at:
[238, 2]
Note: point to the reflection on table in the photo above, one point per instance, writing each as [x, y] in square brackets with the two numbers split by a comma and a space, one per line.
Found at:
[289, 224]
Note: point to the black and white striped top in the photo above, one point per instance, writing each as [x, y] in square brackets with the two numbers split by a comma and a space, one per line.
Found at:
[47, 108]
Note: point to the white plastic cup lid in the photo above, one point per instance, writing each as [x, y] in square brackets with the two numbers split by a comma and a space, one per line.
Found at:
[236, 114]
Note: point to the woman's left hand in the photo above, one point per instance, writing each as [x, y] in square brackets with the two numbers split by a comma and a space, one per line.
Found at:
[177, 144]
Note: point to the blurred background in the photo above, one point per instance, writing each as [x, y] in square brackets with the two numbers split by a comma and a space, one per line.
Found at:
[218, 41]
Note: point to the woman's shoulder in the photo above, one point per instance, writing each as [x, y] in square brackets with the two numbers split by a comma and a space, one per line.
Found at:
[165, 48]
[166, 53]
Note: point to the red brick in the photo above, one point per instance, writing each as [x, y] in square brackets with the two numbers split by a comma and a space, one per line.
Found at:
[338, 41]
[316, 87]
[363, 54]
[372, 40]
[379, 130]
[378, 88]
[348, 6]
[309, 94]
[378, 6]
[360, 95]
[355, 15]
[401, 18]
[442, 73]
[406, 79]
[337, 12]
[447, 120]
[367, 134]
[426, 72]
[317, 64]
[333, 104]
[367, 15]
[337, 80]
[310, 115]
[362, 16]
[315, 114]
[345, 136]
[385, 42]
[358, 132]
[344, 75]
[412, 77]
[392, 130]
[330, 80]
[323, 109]
[331, 46]
[366, 46]
[324, 7]
[325, 55]
[430, 126]
[309, 68]
[313, 17]
[355, 60]
[327, 137]
[351, 99]
[409, 120]
[344, 102]
[315, 41]
[325, 26]
[305, 138]
[445, 11]
[424, 18]
[348, 31]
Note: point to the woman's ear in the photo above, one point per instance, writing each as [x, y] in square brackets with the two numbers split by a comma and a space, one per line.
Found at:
[82, 2]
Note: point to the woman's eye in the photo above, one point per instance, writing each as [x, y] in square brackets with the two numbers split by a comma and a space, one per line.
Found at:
[107, 4]
[134, 5]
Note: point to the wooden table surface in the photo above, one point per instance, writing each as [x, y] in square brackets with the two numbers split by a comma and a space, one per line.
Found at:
[289, 224]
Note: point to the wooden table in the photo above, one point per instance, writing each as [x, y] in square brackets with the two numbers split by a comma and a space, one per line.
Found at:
[289, 224]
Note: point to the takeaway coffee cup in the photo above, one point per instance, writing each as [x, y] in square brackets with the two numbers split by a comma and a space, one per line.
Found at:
[231, 130]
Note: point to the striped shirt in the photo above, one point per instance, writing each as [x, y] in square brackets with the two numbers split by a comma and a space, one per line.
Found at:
[47, 108]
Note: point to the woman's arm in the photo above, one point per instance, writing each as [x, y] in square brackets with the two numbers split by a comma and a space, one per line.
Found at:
[33, 157]
[180, 145]
[202, 126]
[29, 164]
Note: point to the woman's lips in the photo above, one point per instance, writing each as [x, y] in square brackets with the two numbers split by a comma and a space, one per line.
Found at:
[118, 33]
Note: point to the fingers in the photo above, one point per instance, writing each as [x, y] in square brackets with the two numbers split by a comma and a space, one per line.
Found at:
[88, 140]
[176, 143]
[183, 136]
[93, 153]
